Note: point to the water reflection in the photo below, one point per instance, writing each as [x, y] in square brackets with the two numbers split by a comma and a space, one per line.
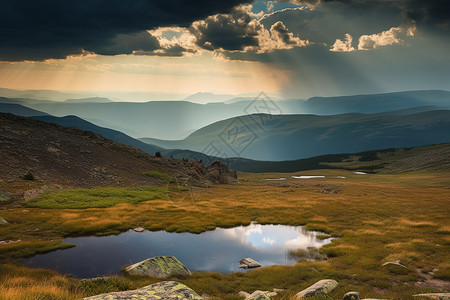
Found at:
[218, 250]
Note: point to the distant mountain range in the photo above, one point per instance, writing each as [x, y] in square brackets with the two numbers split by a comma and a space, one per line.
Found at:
[173, 120]
[288, 137]
[424, 158]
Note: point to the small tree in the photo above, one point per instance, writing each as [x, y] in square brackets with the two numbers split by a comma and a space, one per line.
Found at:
[158, 154]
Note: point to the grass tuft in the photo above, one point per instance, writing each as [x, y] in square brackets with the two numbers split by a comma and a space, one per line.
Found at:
[95, 198]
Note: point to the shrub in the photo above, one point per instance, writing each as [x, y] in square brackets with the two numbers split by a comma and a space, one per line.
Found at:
[28, 176]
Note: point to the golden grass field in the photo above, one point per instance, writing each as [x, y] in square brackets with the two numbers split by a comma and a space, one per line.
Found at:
[378, 218]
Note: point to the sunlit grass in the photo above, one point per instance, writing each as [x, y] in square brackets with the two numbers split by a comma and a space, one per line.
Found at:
[378, 218]
[96, 198]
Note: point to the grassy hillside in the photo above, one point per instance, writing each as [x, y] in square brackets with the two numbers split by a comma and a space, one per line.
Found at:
[391, 160]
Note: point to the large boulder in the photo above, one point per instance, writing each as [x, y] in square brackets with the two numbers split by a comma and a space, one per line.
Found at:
[165, 290]
[320, 288]
[159, 266]
[4, 196]
[258, 295]
[249, 263]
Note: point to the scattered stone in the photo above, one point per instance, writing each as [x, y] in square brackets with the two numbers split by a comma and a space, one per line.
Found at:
[9, 242]
[30, 194]
[3, 221]
[165, 290]
[205, 296]
[159, 267]
[352, 296]
[435, 296]
[258, 295]
[4, 196]
[329, 191]
[249, 263]
[320, 288]
[393, 263]
[104, 278]
[139, 229]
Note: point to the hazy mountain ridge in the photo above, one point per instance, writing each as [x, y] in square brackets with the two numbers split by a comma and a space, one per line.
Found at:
[288, 137]
[177, 119]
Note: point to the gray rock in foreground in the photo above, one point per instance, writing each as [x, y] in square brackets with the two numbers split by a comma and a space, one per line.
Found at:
[352, 296]
[3, 221]
[165, 290]
[249, 263]
[320, 288]
[4, 196]
[159, 267]
[258, 295]
[436, 296]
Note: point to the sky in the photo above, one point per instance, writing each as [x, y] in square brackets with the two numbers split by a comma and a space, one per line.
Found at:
[285, 48]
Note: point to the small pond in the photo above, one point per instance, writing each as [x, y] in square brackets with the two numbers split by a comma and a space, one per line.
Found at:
[218, 250]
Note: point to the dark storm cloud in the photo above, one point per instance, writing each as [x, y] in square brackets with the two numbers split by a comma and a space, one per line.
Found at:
[230, 32]
[37, 30]
[428, 11]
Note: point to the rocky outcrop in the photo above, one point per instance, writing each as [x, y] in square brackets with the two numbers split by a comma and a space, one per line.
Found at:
[249, 263]
[434, 296]
[165, 290]
[320, 288]
[352, 296]
[159, 267]
[4, 196]
[3, 221]
[220, 173]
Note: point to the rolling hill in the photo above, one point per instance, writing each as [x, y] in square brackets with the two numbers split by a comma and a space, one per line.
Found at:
[177, 119]
[289, 137]
[71, 157]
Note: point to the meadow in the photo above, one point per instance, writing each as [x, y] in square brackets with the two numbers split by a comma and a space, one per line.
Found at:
[376, 217]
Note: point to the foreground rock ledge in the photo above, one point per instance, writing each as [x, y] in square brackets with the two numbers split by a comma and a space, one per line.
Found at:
[165, 290]
[320, 288]
[159, 267]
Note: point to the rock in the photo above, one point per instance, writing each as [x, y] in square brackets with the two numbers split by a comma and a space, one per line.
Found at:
[139, 229]
[393, 263]
[249, 263]
[258, 295]
[159, 266]
[30, 194]
[4, 196]
[320, 288]
[395, 267]
[436, 296]
[165, 290]
[244, 294]
[329, 191]
[3, 221]
[9, 242]
[352, 296]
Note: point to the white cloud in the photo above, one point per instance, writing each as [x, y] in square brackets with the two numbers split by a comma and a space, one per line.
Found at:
[395, 35]
[268, 241]
[343, 46]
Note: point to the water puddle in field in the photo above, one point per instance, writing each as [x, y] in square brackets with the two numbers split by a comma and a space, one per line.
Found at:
[218, 250]
[307, 177]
